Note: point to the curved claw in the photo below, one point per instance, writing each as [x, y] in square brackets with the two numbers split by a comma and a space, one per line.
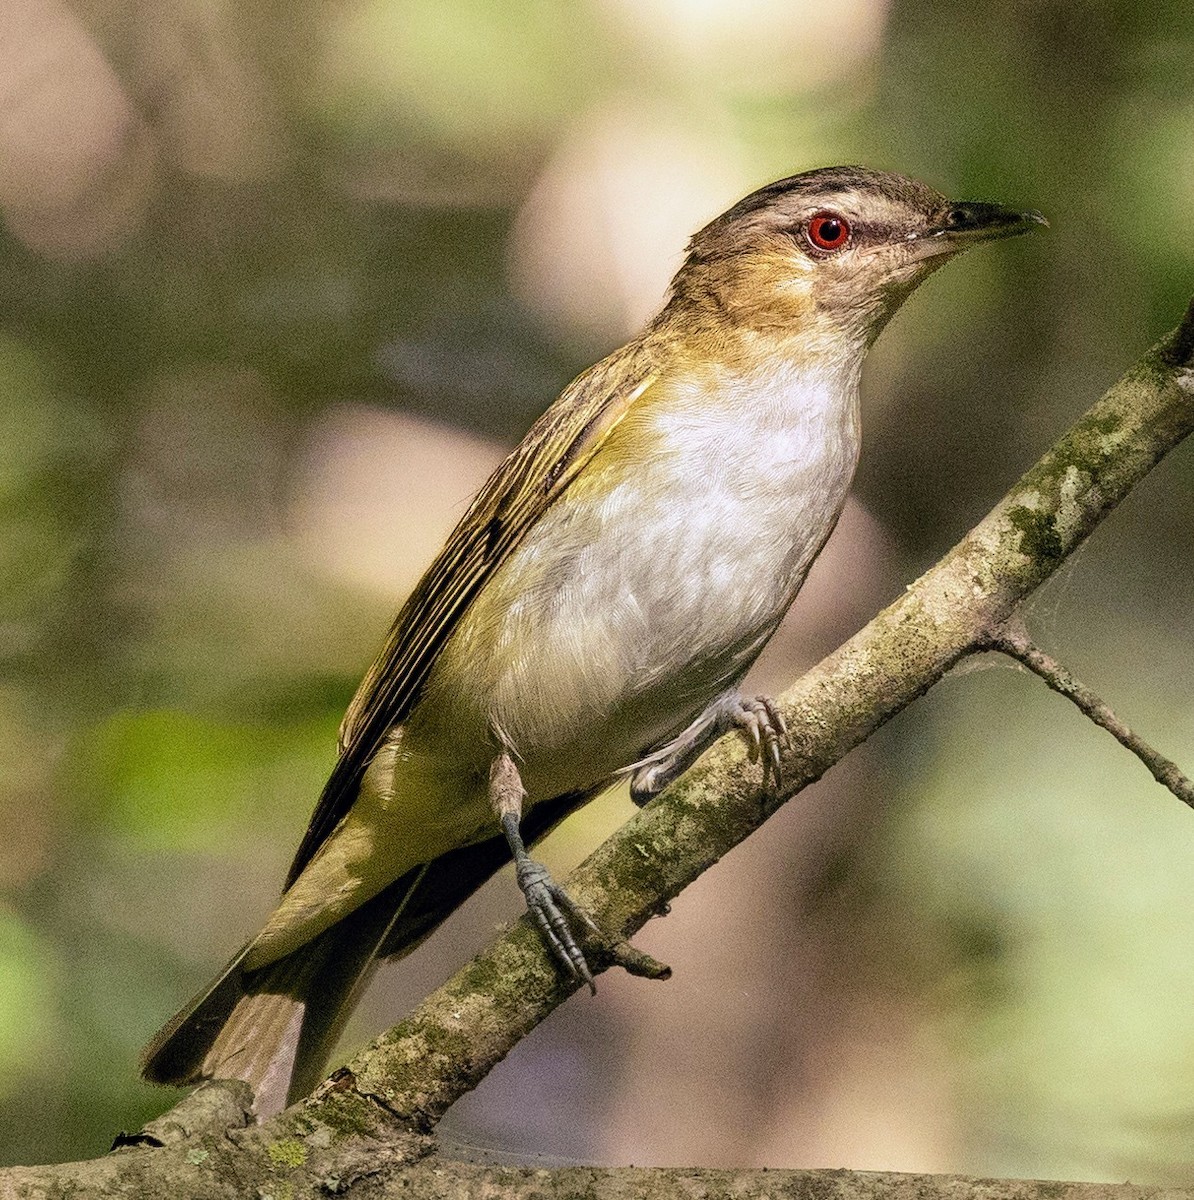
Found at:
[777, 720]
[754, 738]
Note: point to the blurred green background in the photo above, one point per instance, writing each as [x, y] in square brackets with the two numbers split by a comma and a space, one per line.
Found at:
[278, 285]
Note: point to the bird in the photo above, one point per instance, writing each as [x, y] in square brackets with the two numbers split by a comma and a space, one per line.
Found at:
[592, 615]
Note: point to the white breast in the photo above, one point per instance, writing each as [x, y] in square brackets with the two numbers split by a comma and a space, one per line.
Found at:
[622, 615]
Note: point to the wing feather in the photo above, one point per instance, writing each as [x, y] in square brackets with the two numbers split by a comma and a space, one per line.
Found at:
[518, 493]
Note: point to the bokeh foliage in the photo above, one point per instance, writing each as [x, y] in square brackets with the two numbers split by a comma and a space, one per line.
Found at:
[227, 226]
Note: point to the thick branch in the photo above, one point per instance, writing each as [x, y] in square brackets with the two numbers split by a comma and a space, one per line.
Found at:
[170, 1174]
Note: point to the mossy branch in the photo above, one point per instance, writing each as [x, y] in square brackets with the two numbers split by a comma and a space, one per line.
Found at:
[361, 1132]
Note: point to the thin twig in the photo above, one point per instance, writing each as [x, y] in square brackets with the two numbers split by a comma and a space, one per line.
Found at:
[1016, 644]
[637, 962]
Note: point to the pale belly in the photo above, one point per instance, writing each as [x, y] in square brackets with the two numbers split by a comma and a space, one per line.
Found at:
[642, 595]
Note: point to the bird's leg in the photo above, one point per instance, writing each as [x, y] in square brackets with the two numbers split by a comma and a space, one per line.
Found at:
[553, 909]
[760, 722]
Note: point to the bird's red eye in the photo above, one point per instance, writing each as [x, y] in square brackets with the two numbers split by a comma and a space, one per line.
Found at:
[828, 231]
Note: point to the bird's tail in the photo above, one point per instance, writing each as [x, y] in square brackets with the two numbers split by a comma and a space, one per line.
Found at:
[275, 1027]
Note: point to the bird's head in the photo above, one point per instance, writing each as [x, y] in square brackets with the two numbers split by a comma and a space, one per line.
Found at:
[831, 254]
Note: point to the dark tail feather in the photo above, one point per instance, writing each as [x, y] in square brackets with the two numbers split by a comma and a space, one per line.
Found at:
[175, 1056]
[275, 1027]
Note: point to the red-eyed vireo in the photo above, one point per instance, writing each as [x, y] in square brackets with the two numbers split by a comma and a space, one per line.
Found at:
[591, 616]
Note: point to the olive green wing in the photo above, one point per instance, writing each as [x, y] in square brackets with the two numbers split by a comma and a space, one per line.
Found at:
[518, 493]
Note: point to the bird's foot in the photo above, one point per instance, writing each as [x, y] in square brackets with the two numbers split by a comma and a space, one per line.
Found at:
[555, 913]
[759, 721]
[766, 733]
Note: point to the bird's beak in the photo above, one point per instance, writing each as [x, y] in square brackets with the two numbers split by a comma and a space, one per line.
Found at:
[966, 223]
